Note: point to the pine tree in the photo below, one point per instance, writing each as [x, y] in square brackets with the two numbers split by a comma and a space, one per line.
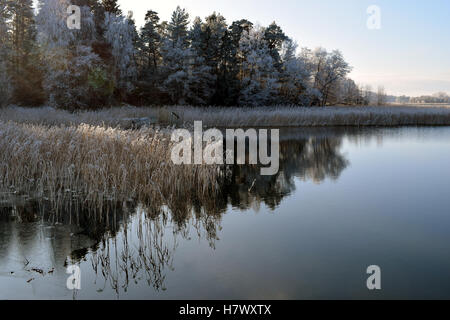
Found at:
[214, 32]
[26, 76]
[112, 6]
[275, 38]
[227, 90]
[259, 77]
[201, 77]
[5, 81]
[151, 41]
[176, 56]
[178, 27]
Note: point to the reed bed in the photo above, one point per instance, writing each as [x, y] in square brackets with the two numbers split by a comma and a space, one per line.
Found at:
[276, 116]
[283, 116]
[85, 158]
[89, 165]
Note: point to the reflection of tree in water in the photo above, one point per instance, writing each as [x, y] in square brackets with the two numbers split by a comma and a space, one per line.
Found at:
[308, 159]
[135, 243]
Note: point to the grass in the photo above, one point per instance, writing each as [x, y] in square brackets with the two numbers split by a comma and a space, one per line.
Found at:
[278, 116]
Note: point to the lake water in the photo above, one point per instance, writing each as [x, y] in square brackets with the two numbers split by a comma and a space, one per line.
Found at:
[344, 199]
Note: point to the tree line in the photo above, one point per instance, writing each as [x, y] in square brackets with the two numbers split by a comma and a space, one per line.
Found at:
[200, 62]
[439, 97]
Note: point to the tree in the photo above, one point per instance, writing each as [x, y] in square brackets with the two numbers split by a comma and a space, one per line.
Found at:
[346, 92]
[228, 83]
[166, 62]
[201, 77]
[178, 27]
[176, 56]
[5, 81]
[381, 96]
[213, 39]
[275, 38]
[112, 7]
[294, 76]
[26, 76]
[151, 41]
[67, 56]
[327, 69]
[367, 95]
[119, 34]
[259, 78]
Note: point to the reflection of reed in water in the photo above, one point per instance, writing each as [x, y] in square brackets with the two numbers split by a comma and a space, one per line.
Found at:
[146, 258]
[135, 238]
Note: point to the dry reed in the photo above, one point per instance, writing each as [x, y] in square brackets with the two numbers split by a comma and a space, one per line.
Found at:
[89, 165]
[277, 116]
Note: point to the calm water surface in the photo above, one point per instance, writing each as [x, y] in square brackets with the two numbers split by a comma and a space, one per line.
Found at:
[344, 199]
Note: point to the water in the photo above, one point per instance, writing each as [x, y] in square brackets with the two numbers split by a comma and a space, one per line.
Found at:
[344, 199]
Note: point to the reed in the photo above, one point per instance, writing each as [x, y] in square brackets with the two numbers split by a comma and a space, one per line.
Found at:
[276, 116]
[88, 165]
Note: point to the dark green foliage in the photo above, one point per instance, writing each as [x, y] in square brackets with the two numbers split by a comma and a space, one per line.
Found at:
[25, 73]
[101, 87]
[275, 38]
[111, 6]
[151, 43]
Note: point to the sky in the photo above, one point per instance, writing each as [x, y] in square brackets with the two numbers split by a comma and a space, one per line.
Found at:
[409, 55]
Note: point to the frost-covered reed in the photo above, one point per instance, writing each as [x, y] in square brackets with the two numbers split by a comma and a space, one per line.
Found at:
[313, 117]
[277, 116]
[90, 164]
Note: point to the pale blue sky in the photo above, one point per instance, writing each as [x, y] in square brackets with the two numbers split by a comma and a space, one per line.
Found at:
[409, 55]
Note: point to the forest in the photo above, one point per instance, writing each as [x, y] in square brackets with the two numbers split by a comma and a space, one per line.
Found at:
[109, 61]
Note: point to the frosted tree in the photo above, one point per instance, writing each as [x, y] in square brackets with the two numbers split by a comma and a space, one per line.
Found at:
[345, 91]
[119, 34]
[176, 56]
[327, 69]
[367, 95]
[201, 77]
[259, 77]
[381, 96]
[189, 77]
[294, 76]
[68, 81]
[51, 23]
[67, 56]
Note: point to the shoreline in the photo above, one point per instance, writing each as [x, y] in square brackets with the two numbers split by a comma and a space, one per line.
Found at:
[234, 117]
